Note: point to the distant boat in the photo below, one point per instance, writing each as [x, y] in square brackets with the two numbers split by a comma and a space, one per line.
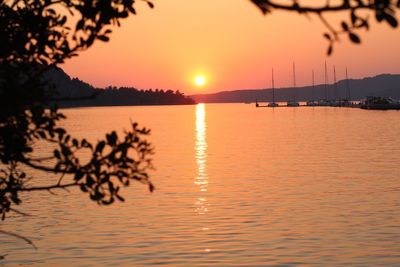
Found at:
[311, 103]
[293, 103]
[273, 104]
[379, 103]
[346, 103]
[323, 102]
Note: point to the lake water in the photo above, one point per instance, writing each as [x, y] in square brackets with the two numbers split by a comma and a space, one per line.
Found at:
[235, 186]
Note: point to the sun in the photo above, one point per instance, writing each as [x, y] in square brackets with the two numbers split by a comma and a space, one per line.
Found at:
[200, 80]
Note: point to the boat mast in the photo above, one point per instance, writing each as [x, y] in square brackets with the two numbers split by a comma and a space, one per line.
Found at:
[273, 87]
[347, 87]
[334, 80]
[294, 82]
[313, 86]
[326, 82]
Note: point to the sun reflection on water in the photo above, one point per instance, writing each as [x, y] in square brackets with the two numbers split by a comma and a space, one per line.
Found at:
[201, 179]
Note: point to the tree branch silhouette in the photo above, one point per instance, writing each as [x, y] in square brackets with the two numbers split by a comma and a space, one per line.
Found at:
[383, 11]
[38, 35]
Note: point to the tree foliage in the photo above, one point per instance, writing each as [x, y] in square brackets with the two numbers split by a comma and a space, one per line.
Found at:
[358, 12]
[37, 35]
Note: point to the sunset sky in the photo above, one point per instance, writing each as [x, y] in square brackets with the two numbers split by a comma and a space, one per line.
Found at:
[231, 44]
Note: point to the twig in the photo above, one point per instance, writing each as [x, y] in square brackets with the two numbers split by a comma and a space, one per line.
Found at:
[61, 177]
[327, 25]
[27, 240]
[305, 9]
[20, 212]
[51, 192]
[48, 188]
[43, 168]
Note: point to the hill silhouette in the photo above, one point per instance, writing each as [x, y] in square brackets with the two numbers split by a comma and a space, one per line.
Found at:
[380, 85]
[72, 92]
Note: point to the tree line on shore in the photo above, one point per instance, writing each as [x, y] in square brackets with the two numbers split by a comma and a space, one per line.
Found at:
[73, 92]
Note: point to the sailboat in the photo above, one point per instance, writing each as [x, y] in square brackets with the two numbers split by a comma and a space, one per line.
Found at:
[312, 103]
[346, 101]
[335, 102]
[293, 103]
[325, 102]
[273, 104]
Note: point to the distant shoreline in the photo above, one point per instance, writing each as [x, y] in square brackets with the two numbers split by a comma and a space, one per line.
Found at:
[381, 85]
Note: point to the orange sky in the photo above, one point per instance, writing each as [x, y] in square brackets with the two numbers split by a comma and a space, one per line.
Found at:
[232, 44]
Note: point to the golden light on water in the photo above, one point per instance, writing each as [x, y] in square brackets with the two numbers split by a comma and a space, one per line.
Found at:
[278, 198]
[201, 179]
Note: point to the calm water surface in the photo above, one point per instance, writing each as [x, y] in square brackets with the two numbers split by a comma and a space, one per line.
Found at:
[236, 186]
